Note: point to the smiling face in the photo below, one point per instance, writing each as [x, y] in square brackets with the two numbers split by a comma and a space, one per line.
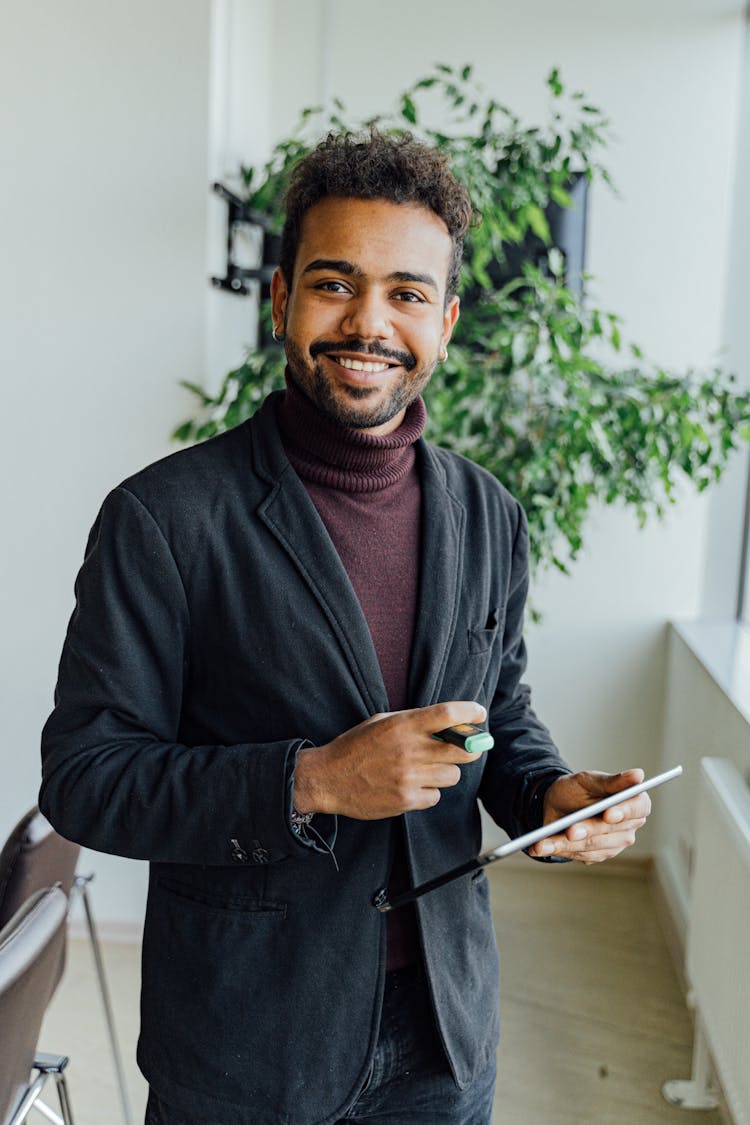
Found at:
[365, 317]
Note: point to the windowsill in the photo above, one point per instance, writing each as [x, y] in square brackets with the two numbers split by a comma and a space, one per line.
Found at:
[723, 648]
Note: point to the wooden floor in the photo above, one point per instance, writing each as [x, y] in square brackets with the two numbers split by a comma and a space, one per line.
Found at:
[593, 1015]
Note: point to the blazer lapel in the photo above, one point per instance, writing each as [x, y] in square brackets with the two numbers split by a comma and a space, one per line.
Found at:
[441, 572]
[292, 518]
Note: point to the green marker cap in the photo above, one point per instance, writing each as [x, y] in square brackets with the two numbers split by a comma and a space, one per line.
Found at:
[477, 743]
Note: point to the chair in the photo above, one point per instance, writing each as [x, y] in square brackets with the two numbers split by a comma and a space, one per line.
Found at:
[32, 957]
[35, 856]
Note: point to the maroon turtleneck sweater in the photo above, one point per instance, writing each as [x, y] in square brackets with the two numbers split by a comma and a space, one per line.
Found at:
[366, 490]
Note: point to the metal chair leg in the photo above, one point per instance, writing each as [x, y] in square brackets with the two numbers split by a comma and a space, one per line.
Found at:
[62, 1093]
[44, 1109]
[29, 1099]
[54, 1065]
[80, 885]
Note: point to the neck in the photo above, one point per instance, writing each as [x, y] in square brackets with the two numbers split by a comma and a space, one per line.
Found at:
[323, 450]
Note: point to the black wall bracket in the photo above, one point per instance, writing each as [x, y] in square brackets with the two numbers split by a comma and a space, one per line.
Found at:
[236, 277]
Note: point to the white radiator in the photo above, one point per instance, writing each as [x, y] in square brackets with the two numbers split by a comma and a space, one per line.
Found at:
[718, 942]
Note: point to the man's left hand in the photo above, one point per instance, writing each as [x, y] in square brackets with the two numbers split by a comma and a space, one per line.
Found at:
[601, 837]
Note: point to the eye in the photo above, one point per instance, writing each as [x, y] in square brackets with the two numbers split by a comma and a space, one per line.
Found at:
[332, 287]
[410, 296]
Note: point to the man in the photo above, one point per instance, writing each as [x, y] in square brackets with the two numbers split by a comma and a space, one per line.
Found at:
[269, 629]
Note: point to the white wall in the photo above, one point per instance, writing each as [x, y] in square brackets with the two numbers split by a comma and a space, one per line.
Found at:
[104, 221]
[239, 135]
[707, 702]
[103, 118]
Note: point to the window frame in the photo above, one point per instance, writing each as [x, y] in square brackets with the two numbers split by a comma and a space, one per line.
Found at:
[743, 592]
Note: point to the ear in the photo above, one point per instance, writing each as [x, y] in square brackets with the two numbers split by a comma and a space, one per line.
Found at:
[279, 297]
[450, 316]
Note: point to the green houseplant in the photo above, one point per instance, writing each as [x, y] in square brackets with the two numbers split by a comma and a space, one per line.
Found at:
[539, 387]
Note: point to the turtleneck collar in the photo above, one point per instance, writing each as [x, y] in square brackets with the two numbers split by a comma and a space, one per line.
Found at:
[325, 452]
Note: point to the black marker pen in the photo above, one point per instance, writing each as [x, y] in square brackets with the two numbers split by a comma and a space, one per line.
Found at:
[467, 736]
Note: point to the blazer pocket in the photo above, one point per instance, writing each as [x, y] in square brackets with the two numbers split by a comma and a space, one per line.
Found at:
[480, 638]
[202, 899]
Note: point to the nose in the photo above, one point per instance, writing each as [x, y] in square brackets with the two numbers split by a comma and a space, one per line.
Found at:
[367, 317]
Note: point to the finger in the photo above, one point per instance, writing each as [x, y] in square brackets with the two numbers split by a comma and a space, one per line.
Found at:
[442, 776]
[435, 750]
[600, 855]
[412, 798]
[584, 850]
[598, 841]
[441, 715]
[590, 858]
[635, 809]
[630, 777]
[426, 799]
[603, 830]
[551, 846]
[589, 844]
[598, 826]
[598, 784]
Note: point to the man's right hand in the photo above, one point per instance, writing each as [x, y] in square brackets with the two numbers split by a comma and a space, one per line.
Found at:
[387, 765]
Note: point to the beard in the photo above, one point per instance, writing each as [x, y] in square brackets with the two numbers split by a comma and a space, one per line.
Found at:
[349, 406]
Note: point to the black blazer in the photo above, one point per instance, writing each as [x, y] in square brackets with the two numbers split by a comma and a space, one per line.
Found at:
[215, 633]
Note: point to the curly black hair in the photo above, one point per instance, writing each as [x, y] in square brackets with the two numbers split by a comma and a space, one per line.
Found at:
[374, 166]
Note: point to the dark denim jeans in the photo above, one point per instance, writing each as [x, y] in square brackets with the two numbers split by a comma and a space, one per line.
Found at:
[410, 1080]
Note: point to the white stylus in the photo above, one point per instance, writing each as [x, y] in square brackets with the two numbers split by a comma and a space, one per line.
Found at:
[383, 904]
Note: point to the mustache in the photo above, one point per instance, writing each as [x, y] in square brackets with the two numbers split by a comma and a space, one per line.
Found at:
[405, 359]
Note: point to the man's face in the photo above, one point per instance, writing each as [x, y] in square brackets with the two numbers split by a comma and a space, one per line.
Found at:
[366, 319]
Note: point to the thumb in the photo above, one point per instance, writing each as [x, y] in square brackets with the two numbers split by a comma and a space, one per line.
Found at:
[604, 784]
[601, 784]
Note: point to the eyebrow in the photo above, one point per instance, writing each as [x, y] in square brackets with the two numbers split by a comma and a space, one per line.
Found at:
[342, 266]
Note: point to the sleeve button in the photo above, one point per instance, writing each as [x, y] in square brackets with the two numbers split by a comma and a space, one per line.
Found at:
[239, 855]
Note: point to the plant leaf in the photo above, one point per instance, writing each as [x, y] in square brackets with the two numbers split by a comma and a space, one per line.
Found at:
[408, 109]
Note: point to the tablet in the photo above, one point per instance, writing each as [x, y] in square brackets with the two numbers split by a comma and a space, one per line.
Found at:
[521, 842]
[556, 826]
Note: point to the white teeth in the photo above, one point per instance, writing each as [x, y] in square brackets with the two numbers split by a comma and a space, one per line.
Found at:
[358, 365]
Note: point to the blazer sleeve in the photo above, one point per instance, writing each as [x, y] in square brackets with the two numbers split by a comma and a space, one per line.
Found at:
[524, 753]
[115, 776]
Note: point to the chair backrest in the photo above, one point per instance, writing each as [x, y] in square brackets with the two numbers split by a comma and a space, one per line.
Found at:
[34, 856]
[32, 955]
